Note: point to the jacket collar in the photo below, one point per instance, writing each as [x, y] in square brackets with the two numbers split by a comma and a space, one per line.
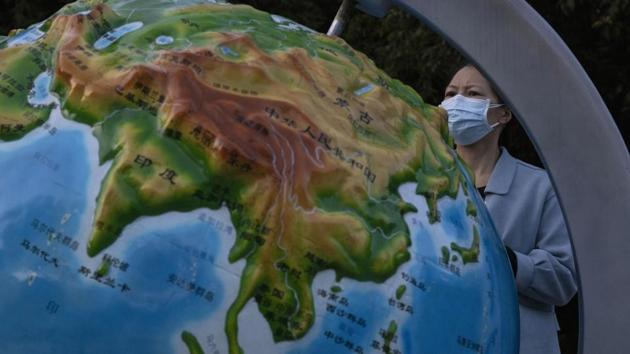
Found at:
[502, 174]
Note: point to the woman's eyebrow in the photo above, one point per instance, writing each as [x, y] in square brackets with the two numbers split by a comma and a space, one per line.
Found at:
[473, 86]
[466, 87]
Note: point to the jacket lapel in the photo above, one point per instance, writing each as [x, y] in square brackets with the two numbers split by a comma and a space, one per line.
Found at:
[503, 174]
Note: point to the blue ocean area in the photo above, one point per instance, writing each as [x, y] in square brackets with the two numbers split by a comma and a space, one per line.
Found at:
[454, 222]
[454, 303]
[466, 306]
[46, 293]
[365, 305]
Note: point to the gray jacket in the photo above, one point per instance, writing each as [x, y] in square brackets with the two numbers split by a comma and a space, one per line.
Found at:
[527, 216]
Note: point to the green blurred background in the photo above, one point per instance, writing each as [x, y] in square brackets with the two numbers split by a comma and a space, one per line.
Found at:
[597, 31]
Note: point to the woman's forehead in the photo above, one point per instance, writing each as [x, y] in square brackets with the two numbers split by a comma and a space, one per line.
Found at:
[468, 77]
[470, 86]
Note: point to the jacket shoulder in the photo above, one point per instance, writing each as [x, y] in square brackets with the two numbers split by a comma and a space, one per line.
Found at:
[533, 176]
[527, 166]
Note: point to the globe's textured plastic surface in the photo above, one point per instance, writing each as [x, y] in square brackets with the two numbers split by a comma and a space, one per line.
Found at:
[185, 176]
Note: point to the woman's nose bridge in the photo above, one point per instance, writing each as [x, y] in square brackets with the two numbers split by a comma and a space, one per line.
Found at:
[462, 91]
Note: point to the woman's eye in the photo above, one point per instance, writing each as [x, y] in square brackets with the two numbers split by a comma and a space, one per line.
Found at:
[473, 93]
[449, 94]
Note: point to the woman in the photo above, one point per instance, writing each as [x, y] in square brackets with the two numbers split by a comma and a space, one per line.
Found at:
[522, 204]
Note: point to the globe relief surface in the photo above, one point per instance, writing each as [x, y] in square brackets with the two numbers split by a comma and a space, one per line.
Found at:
[194, 177]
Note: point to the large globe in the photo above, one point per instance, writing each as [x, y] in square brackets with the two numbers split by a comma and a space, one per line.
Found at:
[192, 177]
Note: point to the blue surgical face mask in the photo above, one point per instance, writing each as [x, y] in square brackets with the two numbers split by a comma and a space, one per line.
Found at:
[467, 118]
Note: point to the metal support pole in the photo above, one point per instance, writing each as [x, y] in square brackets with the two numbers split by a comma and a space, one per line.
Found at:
[340, 20]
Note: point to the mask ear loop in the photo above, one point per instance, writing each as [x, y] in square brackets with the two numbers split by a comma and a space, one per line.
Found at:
[495, 105]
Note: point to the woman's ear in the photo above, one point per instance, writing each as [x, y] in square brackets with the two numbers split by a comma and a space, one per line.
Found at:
[506, 116]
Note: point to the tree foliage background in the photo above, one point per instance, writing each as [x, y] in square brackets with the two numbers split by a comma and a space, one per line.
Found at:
[597, 32]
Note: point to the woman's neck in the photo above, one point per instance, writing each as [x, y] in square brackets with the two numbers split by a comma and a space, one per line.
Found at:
[481, 158]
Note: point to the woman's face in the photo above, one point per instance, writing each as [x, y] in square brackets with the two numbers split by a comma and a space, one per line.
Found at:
[469, 82]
